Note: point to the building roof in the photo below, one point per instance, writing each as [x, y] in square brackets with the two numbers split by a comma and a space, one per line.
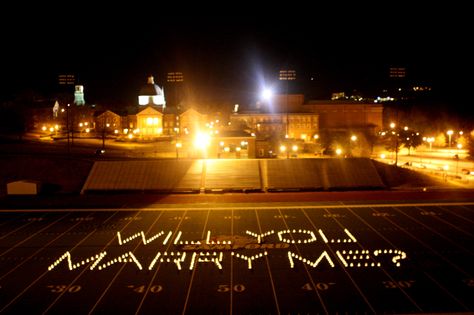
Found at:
[338, 102]
[149, 110]
[234, 134]
[151, 88]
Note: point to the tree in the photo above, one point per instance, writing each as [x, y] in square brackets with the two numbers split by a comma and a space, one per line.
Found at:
[410, 139]
[440, 140]
[470, 145]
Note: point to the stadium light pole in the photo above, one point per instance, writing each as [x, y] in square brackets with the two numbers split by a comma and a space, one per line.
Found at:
[287, 75]
[450, 133]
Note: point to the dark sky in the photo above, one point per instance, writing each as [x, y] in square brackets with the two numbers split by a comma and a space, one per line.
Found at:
[228, 58]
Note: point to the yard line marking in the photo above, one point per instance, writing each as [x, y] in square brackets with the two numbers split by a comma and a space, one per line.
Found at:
[231, 263]
[393, 245]
[82, 272]
[194, 269]
[42, 248]
[341, 263]
[41, 276]
[268, 269]
[381, 268]
[305, 267]
[456, 214]
[140, 305]
[428, 247]
[32, 235]
[123, 265]
[434, 231]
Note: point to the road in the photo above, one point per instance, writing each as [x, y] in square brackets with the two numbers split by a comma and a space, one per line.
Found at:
[444, 163]
[321, 258]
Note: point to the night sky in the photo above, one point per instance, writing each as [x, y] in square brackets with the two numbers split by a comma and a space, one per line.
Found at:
[229, 59]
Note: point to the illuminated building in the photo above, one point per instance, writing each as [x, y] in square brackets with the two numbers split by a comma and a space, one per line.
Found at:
[150, 122]
[152, 94]
[79, 95]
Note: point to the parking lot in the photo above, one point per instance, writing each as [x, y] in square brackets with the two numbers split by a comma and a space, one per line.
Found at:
[378, 258]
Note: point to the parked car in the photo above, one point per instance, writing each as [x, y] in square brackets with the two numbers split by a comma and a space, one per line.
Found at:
[99, 152]
[465, 171]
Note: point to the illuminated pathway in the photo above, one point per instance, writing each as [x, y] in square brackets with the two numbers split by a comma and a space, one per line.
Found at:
[378, 258]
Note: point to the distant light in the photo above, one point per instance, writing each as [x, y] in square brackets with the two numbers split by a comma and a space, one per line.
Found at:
[179, 144]
[459, 145]
[354, 138]
[405, 128]
[338, 151]
[392, 125]
[316, 136]
[294, 148]
[282, 148]
[267, 94]
[382, 156]
[449, 132]
[202, 140]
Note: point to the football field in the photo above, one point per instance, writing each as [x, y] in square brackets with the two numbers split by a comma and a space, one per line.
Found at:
[328, 259]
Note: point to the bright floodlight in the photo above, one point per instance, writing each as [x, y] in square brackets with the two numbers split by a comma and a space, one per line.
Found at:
[202, 140]
[267, 94]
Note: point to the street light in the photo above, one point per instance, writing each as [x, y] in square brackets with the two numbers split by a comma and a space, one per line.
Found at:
[392, 126]
[103, 136]
[178, 146]
[283, 150]
[430, 140]
[450, 133]
[294, 148]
